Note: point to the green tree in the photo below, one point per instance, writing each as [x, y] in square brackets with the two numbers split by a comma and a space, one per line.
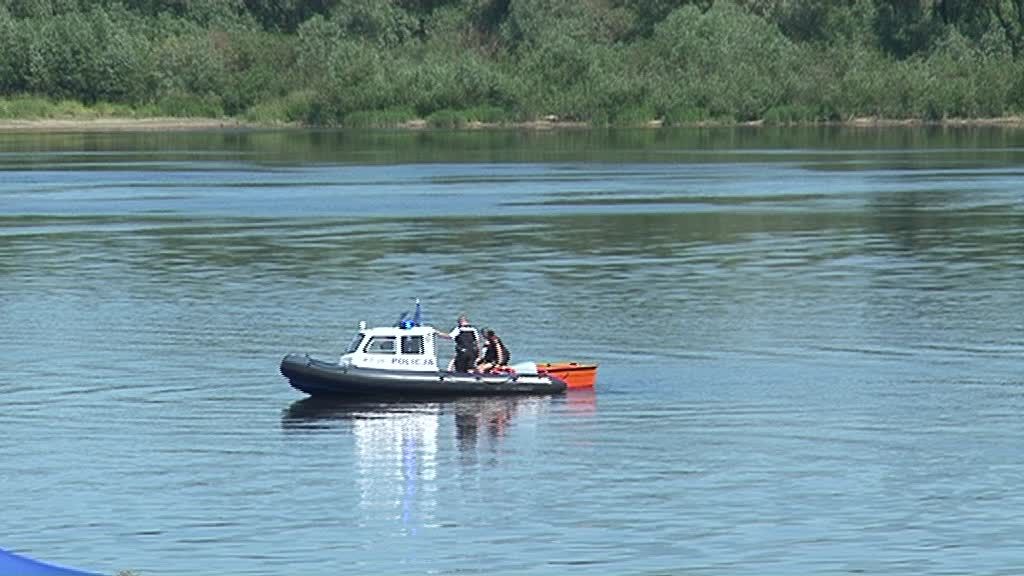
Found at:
[287, 15]
[533, 23]
[726, 60]
[906, 27]
[819, 22]
[1010, 16]
[382, 22]
[39, 8]
[648, 14]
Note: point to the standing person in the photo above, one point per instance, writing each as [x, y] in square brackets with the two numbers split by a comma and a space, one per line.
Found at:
[496, 354]
[467, 344]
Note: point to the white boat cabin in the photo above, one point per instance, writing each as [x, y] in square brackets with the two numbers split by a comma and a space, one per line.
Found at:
[393, 348]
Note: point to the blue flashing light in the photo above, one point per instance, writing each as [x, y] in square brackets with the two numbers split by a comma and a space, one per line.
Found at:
[405, 322]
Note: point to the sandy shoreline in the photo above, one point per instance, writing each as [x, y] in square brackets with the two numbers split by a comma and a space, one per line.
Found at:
[171, 124]
[121, 124]
[182, 124]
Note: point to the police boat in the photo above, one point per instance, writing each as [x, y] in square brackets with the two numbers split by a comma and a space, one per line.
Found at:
[401, 360]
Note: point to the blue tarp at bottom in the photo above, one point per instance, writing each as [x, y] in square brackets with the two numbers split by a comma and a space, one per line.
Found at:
[13, 565]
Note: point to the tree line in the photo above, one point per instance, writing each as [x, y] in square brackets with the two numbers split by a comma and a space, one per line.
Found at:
[620, 62]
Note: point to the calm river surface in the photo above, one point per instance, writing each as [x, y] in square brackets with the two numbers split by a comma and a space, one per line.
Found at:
[811, 348]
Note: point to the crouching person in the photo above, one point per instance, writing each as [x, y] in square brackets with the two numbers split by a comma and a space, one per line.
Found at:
[496, 354]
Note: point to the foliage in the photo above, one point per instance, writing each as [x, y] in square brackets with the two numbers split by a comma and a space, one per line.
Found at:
[736, 62]
[24, 107]
[27, 107]
[790, 114]
[447, 119]
[292, 107]
[381, 63]
[391, 118]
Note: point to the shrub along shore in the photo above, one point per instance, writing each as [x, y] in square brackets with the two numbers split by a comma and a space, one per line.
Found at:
[111, 64]
[36, 114]
[56, 122]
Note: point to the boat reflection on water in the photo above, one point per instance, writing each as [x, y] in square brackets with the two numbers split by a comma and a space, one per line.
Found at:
[374, 419]
[381, 423]
[400, 445]
[395, 450]
[409, 430]
[475, 417]
[316, 412]
[581, 401]
[472, 415]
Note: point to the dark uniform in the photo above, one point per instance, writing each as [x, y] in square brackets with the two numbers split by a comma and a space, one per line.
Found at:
[466, 349]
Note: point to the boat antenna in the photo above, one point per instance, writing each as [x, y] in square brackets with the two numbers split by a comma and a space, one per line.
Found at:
[414, 321]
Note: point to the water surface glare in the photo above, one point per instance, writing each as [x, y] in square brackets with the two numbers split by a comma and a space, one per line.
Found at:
[811, 348]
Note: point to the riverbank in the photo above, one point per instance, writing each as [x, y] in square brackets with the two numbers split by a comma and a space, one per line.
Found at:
[112, 124]
[123, 124]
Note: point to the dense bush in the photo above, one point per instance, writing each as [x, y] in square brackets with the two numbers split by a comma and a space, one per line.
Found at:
[729, 61]
[454, 62]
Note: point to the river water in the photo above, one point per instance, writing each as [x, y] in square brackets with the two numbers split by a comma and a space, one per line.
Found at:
[811, 349]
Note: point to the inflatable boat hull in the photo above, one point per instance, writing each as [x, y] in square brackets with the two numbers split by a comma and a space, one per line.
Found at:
[319, 378]
[574, 374]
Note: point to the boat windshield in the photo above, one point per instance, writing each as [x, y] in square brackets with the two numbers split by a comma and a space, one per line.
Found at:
[354, 346]
[381, 345]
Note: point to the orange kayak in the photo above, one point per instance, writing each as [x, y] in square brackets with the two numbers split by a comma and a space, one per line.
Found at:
[574, 374]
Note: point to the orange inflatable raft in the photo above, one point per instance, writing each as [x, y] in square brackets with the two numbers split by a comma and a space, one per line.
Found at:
[574, 374]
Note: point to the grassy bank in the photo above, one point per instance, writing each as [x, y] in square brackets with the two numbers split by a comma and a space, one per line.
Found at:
[32, 113]
[39, 108]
